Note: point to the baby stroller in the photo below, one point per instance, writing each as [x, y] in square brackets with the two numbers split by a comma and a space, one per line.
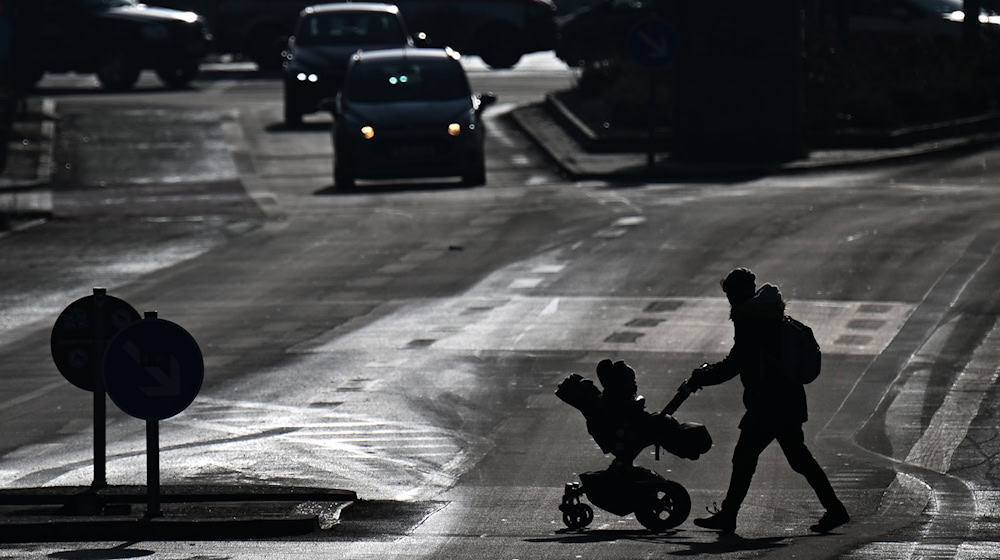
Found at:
[617, 420]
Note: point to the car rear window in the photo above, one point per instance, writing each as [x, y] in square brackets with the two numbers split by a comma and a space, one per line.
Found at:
[380, 82]
[349, 28]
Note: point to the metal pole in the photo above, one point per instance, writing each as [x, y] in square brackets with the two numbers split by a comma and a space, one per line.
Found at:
[153, 468]
[100, 402]
[152, 457]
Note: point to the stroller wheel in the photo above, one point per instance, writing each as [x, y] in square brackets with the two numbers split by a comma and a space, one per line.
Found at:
[578, 516]
[667, 506]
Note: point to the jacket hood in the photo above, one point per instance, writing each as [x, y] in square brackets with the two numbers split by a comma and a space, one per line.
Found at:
[765, 305]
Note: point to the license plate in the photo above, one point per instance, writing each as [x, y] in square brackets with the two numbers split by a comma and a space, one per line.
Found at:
[413, 152]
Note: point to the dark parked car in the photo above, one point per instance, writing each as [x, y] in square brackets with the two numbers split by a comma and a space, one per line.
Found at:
[326, 36]
[408, 113]
[256, 29]
[499, 31]
[117, 39]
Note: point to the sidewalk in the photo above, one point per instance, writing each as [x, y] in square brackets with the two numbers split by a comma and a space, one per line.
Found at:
[564, 138]
[118, 513]
[24, 183]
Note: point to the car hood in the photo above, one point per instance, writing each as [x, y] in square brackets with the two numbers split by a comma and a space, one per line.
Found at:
[143, 13]
[405, 113]
[323, 58]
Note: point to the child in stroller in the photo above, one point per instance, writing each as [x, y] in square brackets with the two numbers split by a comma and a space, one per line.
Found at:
[618, 421]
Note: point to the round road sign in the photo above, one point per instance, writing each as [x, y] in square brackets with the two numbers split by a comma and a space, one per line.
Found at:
[74, 335]
[153, 369]
[652, 42]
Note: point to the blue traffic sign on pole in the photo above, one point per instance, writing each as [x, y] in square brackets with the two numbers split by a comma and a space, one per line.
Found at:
[81, 334]
[652, 43]
[153, 369]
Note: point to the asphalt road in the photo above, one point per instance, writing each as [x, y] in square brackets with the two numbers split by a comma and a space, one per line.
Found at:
[404, 341]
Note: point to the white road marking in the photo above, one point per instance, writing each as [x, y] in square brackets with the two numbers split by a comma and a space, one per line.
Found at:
[950, 423]
[590, 323]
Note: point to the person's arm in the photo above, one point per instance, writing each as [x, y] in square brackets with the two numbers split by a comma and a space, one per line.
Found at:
[717, 373]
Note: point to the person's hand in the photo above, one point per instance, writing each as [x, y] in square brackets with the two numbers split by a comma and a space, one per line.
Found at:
[697, 379]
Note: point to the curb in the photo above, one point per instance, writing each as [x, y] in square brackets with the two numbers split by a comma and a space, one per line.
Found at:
[189, 512]
[163, 529]
[27, 200]
[823, 160]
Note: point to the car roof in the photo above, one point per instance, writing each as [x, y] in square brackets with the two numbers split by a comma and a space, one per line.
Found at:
[406, 53]
[351, 7]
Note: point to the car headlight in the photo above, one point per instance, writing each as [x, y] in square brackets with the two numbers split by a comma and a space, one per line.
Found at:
[367, 132]
[303, 77]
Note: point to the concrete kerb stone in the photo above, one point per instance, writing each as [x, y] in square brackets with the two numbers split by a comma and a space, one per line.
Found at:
[190, 512]
[24, 193]
[563, 137]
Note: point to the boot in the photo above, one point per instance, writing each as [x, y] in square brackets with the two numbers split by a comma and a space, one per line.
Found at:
[720, 520]
[832, 519]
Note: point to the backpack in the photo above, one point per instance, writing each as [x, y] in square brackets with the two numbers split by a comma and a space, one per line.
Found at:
[800, 354]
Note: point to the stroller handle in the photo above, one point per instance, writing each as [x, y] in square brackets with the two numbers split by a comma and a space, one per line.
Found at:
[683, 392]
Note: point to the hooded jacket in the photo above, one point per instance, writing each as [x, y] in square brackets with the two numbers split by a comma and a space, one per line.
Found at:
[771, 398]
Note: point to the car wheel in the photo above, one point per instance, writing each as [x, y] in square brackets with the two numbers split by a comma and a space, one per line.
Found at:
[25, 79]
[343, 176]
[476, 177]
[293, 117]
[177, 76]
[116, 71]
[499, 46]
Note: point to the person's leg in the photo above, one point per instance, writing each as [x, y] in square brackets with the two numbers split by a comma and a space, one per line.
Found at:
[801, 460]
[751, 444]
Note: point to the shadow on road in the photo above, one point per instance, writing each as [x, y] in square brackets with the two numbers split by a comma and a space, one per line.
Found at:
[394, 186]
[280, 128]
[119, 552]
[723, 543]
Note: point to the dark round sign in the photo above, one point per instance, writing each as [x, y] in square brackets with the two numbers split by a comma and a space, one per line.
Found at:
[153, 369]
[652, 42]
[75, 339]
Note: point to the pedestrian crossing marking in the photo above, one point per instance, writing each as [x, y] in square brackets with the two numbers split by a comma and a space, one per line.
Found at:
[536, 323]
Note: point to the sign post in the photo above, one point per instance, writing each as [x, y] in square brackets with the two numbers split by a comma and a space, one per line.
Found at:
[153, 370]
[652, 45]
[79, 339]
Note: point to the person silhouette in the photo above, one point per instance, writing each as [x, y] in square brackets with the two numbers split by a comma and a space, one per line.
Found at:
[775, 403]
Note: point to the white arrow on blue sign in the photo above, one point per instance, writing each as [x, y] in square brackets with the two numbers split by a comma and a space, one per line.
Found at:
[651, 42]
[153, 369]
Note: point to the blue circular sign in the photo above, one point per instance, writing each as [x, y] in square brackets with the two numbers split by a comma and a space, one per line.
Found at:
[153, 369]
[652, 42]
[74, 338]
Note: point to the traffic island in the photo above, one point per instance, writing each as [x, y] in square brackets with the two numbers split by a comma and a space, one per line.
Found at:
[190, 512]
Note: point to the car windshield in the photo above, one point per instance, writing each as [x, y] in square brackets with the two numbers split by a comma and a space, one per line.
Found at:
[108, 3]
[430, 80]
[349, 28]
[941, 6]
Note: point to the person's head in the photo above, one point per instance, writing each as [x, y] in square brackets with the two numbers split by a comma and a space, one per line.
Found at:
[739, 285]
[618, 379]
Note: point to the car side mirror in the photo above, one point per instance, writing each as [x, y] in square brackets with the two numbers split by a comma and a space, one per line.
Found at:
[328, 104]
[486, 99]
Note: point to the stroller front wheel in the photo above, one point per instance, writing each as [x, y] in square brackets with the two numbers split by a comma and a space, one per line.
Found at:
[667, 506]
[577, 516]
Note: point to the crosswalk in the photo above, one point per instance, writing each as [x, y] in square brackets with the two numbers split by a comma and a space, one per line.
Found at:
[537, 323]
